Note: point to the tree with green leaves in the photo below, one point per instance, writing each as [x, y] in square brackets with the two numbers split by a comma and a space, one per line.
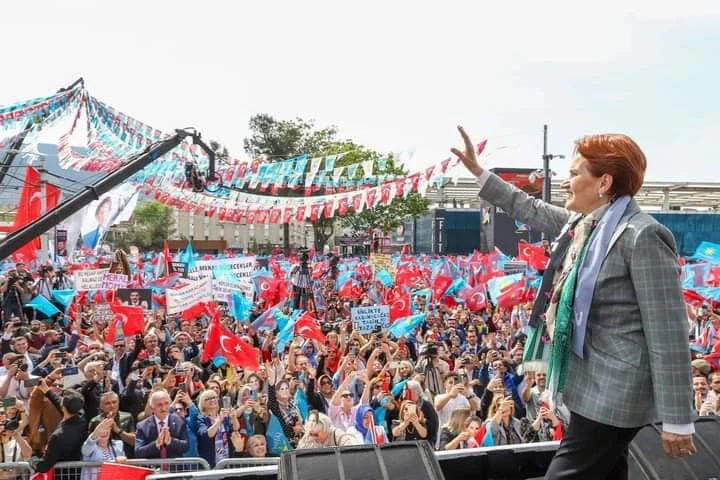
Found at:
[153, 224]
[279, 140]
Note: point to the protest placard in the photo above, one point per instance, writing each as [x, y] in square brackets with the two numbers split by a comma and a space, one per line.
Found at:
[382, 261]
[368, 319]
[102, 313]
[222, 290]
[114, 280]
[179, 268]
[184, 297]
[90, 279]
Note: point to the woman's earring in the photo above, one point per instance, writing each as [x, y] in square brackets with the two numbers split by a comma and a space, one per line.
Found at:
[600, 195]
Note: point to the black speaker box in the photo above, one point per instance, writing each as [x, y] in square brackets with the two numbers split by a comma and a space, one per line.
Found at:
[647, 460]
[394, 461]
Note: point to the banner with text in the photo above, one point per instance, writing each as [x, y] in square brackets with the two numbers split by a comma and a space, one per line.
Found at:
[91, 279]
[369, 319]
[114, 280]
[239, 269]
[181, 298]
[222, 290]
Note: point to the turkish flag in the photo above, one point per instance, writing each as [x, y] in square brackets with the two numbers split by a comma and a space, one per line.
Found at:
[307, 327]
[513, 295]
[194, 311]
[440, 286]
[300, 213]
[29, 209]
[357, 202]
[287, 214]
[315, 212]
[275, 214]
[400, 306]
[385, 194]
[251, 212]
[118, 471]
[262, 215]
[370, 197]
[130, 319]
[534, 255]
[222, 342]
[475, 298]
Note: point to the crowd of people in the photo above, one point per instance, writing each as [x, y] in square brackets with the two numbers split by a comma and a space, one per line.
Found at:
[457, 381]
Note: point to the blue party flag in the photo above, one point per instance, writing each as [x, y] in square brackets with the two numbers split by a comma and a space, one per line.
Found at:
[403, 327]
[64, 297]
[43, 305]
[277, 442]
[240, 307]
[708, 251]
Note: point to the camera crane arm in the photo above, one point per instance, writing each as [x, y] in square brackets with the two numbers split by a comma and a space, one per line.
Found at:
[66, 208]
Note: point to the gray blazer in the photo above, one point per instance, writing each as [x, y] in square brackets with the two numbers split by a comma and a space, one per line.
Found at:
[636, 368]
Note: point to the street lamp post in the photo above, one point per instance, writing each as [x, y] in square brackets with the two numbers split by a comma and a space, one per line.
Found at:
[546, 172]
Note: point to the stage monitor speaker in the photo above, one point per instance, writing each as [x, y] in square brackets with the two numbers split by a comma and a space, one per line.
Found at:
[647, 460]
[394, 461]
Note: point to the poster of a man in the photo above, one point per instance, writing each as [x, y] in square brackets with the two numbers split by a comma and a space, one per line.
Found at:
[103, 211]
[135, 297]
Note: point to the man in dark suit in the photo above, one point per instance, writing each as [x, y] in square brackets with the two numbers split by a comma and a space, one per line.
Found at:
[66, 441]
[163, 435]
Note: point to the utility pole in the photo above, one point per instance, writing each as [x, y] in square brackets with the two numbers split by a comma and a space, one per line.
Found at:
[547, 181]
[44, 238]
[546, 172]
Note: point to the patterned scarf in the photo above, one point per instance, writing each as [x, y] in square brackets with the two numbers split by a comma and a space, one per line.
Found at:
[556, 329]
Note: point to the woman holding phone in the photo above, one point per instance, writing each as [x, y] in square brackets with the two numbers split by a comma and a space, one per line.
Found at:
[215, 426]
[411, 424]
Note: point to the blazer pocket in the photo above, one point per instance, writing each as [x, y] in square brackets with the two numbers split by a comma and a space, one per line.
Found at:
[628, 357]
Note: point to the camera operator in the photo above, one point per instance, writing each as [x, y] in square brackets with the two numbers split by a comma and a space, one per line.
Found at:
[13, 384]
[44, 285]
[16, 293]
[13, 446]
[302, 284]
[63, 280]
[430, 365]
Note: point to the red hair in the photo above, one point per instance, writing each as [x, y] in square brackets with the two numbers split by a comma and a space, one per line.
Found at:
[617, 155]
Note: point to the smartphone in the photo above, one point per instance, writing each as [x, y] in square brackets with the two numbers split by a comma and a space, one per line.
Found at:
[70, 371]
[394, 365]
[179, 370]
[182, 388]
[227, 403]
[8, 402]
[354, 351]
[31, 382]
[253, 395]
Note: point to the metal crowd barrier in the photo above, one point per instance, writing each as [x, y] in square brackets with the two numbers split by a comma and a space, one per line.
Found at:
[268, 467]
[15, 470]
[89, 470]
[246, 462]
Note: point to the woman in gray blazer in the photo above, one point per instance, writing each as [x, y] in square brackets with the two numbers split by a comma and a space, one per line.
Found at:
[610, 305]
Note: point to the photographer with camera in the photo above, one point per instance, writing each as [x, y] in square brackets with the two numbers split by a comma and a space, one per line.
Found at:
[16, 383]
[13, 446]
[15, 293]
[44, 284]
[430, 365]
[302, 284]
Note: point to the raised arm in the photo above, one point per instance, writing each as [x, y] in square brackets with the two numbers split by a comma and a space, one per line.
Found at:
[539, 215]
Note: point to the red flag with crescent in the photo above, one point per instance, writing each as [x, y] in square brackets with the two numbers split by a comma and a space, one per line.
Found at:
[222, 342]
[307, 327]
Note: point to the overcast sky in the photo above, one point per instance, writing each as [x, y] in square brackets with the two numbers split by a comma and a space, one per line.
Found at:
[393, 74]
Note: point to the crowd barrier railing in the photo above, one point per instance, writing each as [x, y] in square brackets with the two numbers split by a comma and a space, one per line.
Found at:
[89, 470]
[15, 470]
[268, 467]
[246, 462]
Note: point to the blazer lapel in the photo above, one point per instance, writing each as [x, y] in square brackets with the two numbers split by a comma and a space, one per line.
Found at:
[630, 212]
